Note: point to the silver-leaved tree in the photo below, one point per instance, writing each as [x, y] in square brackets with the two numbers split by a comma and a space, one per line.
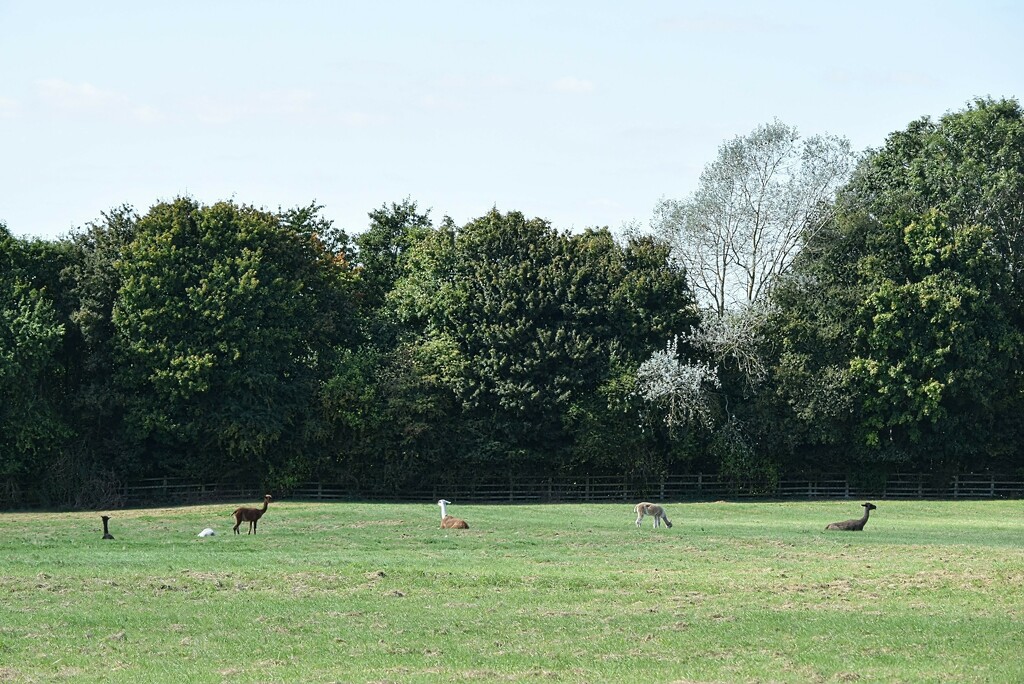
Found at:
[755, 205]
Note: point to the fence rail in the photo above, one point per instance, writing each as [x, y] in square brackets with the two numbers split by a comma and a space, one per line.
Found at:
[611, 488]
[170, 491]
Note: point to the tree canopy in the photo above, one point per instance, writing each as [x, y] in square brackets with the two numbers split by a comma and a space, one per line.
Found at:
[900, 331]
[790, 316]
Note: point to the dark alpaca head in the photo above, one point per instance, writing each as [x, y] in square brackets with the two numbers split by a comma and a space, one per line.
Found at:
[106, 532]
[869, 507]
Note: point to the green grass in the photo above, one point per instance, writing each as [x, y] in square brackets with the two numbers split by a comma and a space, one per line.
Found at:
[931, 591]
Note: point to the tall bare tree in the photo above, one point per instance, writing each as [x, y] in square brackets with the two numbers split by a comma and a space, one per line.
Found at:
[754, 206]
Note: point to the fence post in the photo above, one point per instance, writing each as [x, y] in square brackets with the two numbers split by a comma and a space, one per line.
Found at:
[992, 489]
[956, 486]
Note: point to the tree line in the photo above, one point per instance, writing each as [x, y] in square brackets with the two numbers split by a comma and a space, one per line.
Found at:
[804, 311]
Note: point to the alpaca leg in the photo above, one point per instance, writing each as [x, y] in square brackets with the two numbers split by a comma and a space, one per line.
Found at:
[657, 522]
[639, 518]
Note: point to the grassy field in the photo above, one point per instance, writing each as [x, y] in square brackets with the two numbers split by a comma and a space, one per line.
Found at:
[734, 592]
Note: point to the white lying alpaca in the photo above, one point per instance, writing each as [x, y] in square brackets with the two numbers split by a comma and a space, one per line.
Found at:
[208, 532]
[450, 522]
[643, 508]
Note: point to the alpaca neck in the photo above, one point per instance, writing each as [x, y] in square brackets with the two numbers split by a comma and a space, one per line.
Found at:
[867, 512]
[264, 509]
[444, 511]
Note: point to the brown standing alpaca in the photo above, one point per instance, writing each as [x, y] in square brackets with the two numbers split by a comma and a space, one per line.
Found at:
[449, 522]
[251, 515]
[854, 525]
[106, 532]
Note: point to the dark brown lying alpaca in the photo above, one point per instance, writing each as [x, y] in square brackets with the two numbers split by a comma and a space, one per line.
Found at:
[854, 525]
[106, 532]
[250, 515]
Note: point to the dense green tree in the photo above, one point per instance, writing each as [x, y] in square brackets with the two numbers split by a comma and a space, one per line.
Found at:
[221, 328]
[898, 337]
[639, 299]
[383, 417]
[526, 325]
[615, 432]
[935, 350]
[390, 420]
[91, 282]
[381, 247]
[967, 165]
[505, 308]
[32, 428]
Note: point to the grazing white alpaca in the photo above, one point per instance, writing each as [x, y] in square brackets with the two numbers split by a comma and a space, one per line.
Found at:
[208, 532]
[643, 508]
[449, 522]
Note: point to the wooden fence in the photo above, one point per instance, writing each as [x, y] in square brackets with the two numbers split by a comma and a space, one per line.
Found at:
[688, 487]
[170, 491]
[603, 488]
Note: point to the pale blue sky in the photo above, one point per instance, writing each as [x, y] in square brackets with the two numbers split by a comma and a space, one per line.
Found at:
[583, 113]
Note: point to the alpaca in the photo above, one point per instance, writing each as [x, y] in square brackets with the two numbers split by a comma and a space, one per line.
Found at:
[449, 522]
[250, 515]
[208, 532]
[644, 508]
[854, 525]
[106, 532]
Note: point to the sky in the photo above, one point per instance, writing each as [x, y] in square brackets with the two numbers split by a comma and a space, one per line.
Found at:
[582, 113]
